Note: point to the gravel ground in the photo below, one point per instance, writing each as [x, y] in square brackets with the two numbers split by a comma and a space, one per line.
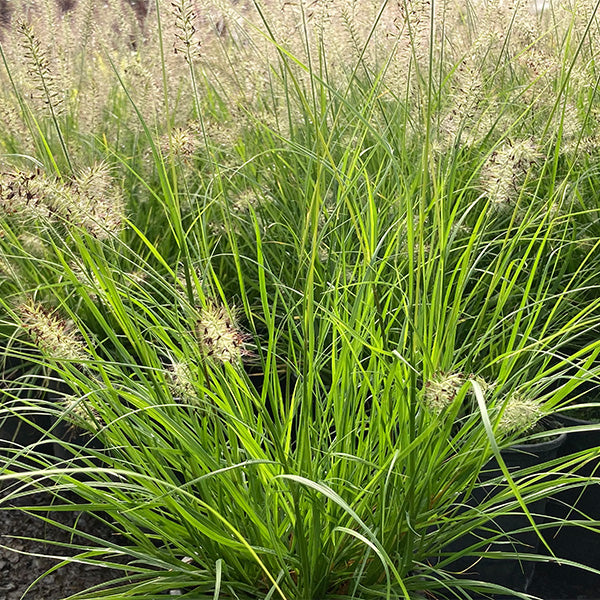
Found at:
[23, 561]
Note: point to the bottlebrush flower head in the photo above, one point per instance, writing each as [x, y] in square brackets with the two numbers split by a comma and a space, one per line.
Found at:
[219, 335]
[180, 379]
[519, 414]
[50, 333]
[80, 413]
[441, 389]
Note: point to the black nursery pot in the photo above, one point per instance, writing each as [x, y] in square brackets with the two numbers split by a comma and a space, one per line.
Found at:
[72, 440]
[22, 426]
[574, 543]
[25, 410]
[514, 574]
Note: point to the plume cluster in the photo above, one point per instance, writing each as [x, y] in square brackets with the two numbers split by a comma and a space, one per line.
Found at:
[51, 333]
[90, 200]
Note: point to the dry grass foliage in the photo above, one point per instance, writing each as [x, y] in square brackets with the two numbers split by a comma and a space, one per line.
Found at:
[65, 61]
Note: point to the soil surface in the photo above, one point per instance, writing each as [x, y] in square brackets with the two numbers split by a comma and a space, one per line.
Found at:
[22, 561]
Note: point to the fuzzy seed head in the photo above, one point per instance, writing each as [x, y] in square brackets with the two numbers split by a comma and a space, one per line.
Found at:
[136, 278]
[485, 386]
[181, 382]
[8, 269]
[186, 41]
[38, 62]
[87, 279]
[441, 389]
[51, 334]
[13, 125]
[224, 134]
[90, 201]
[244, 201]
[219, 334]
[505, 171]
[30, 195]
[197, 283]
[463, 119]
[33, 244]
[80, 413]
[519, 414]
[183, 143]
[98, 205]
[460, 230]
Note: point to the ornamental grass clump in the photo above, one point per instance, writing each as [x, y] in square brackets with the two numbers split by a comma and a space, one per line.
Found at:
[334, 171]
